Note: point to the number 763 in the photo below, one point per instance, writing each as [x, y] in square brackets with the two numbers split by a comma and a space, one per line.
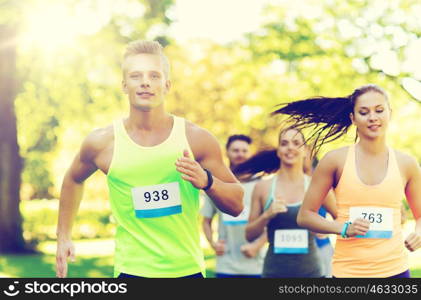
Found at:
[373, 217]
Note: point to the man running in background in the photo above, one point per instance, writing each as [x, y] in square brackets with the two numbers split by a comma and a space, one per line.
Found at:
[235, 256]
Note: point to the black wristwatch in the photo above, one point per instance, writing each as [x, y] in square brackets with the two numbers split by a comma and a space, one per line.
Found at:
[210, 180]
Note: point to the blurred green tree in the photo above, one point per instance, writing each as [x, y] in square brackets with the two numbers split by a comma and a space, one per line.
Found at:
[56, 90]
[11, 239]
[75, 86]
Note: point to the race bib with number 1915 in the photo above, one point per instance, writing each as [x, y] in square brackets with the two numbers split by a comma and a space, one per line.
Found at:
[291, 241]
[380, 218]
[157, 200]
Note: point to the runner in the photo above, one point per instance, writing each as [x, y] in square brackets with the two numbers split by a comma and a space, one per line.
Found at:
[155, 163]
[235, 256]
[369, 179]
[322, 240]
[292, 250]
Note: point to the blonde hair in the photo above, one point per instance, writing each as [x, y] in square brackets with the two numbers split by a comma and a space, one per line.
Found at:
[147, 47]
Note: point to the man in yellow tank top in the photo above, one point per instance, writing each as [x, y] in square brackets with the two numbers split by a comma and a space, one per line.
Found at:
[155, 163]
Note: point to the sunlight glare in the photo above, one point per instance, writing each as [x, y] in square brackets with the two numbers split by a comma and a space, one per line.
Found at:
[50, 27]
[57, 25]
[412, 86]
[218, 20]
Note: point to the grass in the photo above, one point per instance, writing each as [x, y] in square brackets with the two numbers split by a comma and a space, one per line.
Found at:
[94, 258]
[41, 265]
[100, 264]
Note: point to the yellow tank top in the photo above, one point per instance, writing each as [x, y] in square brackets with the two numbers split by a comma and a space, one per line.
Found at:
[158, 232]
[370, 257]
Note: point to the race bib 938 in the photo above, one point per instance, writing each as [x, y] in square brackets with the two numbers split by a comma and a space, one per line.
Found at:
[157, 200]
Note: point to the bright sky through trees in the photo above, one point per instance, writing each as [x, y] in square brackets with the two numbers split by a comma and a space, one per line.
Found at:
[51, 26]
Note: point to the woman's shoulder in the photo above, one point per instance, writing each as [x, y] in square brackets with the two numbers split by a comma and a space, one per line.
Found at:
[335, 157]
[264, 183]
[404, 157]
[263, 186]
[339, 152]
[406, 162]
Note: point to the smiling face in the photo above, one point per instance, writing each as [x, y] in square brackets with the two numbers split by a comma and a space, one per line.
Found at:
[144, 81]
[291, 148]
[371, 115]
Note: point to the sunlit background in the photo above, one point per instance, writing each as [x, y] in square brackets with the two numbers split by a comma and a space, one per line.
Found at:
[232, 61]
[379, 40]
[54, 26]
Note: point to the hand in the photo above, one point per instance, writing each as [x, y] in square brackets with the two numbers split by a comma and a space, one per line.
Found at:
[278, 206]
[413, 241]
[249, 250]
[65, 250]
[358, 227]
[219, 247]
[191, 171]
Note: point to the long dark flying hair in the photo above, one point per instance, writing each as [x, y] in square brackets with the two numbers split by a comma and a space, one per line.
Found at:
[266, 161]
[329, 117]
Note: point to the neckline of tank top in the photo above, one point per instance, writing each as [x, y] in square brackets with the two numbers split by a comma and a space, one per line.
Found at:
[167, 139]
[385, 175]
[306, 184]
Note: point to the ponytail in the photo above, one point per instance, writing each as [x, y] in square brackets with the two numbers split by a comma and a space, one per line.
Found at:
[266, 161]
[328, 117]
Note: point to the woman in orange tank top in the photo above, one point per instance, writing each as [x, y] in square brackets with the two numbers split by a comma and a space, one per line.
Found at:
[369, 180]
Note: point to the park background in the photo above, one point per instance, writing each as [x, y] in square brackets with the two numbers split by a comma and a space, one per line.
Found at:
[232, 61]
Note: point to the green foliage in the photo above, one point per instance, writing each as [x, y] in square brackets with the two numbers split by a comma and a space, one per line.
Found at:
[225, 89]
[10, 11]
[233, 88]
[75, 87]
[40, 221]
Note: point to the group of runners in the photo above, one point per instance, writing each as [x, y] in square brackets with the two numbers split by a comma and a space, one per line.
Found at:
[157, 165]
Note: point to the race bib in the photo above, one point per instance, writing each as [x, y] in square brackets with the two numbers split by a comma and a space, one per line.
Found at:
[241, 219]
[380, 218]
[157, 200]
[291, 241]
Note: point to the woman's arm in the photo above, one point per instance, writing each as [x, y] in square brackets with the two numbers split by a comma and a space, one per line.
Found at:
[330, 204]
[257, 222]
[259, 217]
[413, 196]
[321, 183]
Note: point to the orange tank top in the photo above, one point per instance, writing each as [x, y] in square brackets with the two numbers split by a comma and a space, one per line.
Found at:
[370, 257]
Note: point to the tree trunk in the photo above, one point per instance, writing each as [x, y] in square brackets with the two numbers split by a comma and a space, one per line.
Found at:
[11, 238]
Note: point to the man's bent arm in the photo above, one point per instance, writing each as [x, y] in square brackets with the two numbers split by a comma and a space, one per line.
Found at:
[71, 195]
[81, 168]
[226, 191]
[227, 196]
[261, 240]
